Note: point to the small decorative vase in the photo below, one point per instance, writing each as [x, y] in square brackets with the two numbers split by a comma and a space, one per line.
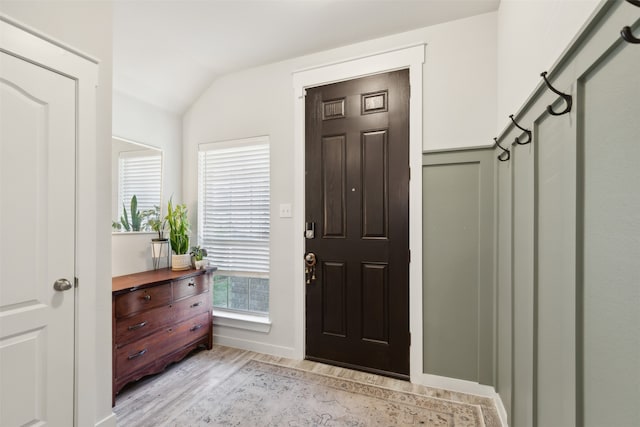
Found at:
[181, 262]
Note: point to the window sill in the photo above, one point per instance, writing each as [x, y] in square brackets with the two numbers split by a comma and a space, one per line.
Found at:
[241, 321]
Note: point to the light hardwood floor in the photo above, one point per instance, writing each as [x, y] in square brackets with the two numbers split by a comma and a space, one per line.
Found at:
[159, 396]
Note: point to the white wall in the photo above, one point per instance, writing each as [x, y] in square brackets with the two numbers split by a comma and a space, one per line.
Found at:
[87, 26]
[141, 122]
[531, 36]
[459, 111]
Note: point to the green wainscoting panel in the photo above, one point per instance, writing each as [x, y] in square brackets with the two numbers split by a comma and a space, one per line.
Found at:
[568, 239]
[522, 162]
[458, 264]
[610, 281]
[555, 267]
[504, 297]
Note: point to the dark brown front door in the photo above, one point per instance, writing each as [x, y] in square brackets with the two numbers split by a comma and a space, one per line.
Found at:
[357, 198]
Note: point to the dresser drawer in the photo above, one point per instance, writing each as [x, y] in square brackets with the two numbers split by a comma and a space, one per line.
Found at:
[190, 286]
[142, 299]
[141, 324]
[140, 353]
[146, 322]
[192, 306]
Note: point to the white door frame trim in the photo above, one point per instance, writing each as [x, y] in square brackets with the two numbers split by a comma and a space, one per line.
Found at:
[29, 44]
[411, 57]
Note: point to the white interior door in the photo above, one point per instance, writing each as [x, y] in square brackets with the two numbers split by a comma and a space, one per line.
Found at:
[37, 226]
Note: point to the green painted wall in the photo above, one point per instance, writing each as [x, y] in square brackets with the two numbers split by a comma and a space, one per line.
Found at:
[568, 241]
[458, 266]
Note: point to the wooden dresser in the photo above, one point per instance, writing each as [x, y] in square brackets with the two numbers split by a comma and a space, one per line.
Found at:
[159, 317]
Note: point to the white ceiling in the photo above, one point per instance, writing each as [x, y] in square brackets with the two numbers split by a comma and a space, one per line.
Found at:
[167, 52]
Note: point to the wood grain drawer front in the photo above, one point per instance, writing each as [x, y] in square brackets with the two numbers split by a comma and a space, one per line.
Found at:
[142, 324]
[190, 286]
[147, 350]
[189, 307]
[142, 299]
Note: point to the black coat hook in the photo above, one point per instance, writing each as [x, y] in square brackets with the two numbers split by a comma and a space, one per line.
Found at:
[502, 156]
[568, 99]
[626, 31]
[628, 35]
[527, 131]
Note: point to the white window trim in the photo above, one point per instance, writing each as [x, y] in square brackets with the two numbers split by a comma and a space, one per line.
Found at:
[242, 142]
[248, 322]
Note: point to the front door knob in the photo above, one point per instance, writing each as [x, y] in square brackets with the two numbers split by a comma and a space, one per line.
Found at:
[62, 285]
[310, 261]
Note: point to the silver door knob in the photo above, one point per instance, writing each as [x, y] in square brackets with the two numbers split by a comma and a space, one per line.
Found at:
[62, 285]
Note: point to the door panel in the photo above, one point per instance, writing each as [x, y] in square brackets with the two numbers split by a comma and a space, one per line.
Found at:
[357, 185]
[374, 184]
[375, 294]
[37, 223]
[334, 314]
[333, 166]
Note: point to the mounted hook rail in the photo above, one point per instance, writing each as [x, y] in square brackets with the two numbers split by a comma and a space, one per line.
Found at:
[626, 33]
[502, 156]
[567, 98]
[527, 131]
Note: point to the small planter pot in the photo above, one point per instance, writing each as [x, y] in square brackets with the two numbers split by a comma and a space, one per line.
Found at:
[180, 262]
[200, 264]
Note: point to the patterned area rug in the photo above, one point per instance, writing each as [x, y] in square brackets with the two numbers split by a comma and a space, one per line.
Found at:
[262, 394]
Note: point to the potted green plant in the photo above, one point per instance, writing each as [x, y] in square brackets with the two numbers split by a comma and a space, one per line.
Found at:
[136, 216]
[154, 221]
[197, 255]
[179, 236]
[159, 245]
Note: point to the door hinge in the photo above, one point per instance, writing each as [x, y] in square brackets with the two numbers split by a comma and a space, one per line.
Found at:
[409, 173]
[75, 282]
[409, 255]
[409, 339]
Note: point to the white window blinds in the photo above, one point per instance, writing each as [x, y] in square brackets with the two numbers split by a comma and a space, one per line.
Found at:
[233, 204]
[140, 175]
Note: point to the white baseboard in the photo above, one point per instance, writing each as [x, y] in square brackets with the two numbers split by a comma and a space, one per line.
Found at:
[259, 347]
[501, 411]
[109, 421]
[453, 384]
[463, 386]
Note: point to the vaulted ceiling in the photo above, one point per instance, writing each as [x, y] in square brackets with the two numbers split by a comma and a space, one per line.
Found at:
[167, 52]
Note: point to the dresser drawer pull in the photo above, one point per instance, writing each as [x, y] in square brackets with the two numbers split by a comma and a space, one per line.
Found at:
[147, 297]
[137, 326]
[191, 284]
[195, 327]
[195, 304]
[138, 354]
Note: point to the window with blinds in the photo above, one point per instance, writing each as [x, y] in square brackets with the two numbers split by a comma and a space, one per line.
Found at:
[233, 221]
[140, 174]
